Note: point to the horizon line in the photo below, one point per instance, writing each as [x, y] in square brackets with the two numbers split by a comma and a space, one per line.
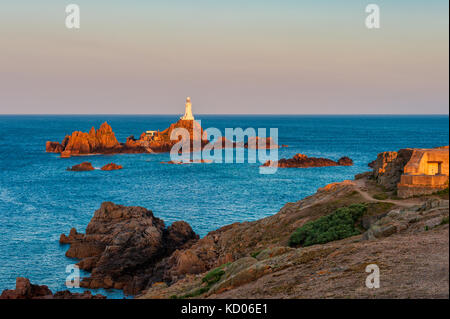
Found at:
[227, 114]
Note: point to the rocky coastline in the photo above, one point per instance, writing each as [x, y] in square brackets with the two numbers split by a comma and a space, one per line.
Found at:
[129, 248]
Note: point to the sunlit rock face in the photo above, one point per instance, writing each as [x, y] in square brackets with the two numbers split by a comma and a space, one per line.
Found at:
[412, 172]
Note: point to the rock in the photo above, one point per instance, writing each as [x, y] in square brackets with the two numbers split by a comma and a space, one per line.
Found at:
[85, 166]
[272, 252]
[122, 245]
[345, 161]
[301, 160]
[26, 290]
[111, 167]
[388, 167]
[53, 147]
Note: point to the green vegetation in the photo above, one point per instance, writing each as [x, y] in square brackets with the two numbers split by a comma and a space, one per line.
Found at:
[255, 254]
[338, 225]
[209, 279]
[213, 276]
[381, 196]
[444, 221]
[443, 193]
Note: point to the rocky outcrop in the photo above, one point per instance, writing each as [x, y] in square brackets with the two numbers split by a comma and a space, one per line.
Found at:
[53, 147]
[100, 141]
[104, 141]
[26, 290]
[301, 160]
[388, 167]
[85, 166]
[111, 167]
[122, 245]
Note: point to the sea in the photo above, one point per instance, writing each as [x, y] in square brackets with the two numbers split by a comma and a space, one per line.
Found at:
[40, 199]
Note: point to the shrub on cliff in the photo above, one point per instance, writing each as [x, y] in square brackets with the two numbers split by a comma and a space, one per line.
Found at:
[338, 225]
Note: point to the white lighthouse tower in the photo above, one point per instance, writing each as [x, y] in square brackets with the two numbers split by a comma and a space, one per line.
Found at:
[188, 111]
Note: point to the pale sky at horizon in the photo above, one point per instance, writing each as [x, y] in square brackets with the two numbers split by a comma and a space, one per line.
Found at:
[231, 57]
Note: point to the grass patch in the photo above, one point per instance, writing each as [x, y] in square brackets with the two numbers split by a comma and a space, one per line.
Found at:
[381, 196]
[444, 221]
[443, 193]
[213, 276]
[338, 225]
[209, 280]
[255, 254]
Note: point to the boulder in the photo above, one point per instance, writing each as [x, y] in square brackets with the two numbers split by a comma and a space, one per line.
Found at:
[111, 167]
[85, 166]
[122, 245]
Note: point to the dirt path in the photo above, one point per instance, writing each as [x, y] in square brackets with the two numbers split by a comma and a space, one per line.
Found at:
[360, 185]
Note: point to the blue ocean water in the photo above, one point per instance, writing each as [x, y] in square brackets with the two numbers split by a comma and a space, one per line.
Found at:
[39, 199]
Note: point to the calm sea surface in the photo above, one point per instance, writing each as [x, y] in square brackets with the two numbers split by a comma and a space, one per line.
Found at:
[39, 199]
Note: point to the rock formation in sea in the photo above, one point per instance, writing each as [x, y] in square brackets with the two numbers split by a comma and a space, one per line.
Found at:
[85, 166]
[301, 160]
[122, 245]
[103, 141]
[26, 290]
[111, 167]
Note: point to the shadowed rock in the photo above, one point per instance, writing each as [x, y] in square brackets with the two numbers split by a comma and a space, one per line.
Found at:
[122, 245]
[26, 290]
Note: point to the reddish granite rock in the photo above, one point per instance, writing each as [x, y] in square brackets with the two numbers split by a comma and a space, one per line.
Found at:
[103, 141]
[122, 245]
[301, 160]
[111, 167]
[26, 290]
[388, 167]
[345, 161]
[85, 166]
[53, 147]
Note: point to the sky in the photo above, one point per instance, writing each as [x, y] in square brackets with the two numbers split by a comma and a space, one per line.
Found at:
[230, 57]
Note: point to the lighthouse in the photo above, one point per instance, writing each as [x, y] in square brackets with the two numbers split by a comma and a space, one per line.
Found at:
[188, 111]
